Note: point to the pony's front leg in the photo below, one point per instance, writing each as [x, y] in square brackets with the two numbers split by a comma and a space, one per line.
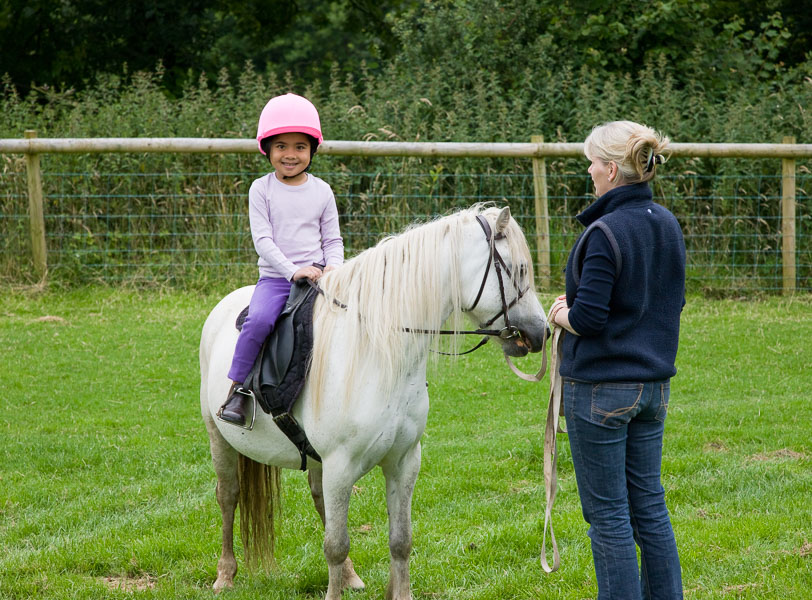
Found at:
[401, 476]
[224, 458]
[337, 485]
[350, 577]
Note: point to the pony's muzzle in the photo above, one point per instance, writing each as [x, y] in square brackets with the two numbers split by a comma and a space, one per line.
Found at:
[532, 338]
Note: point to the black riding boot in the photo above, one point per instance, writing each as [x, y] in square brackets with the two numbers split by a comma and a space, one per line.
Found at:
[233, 411]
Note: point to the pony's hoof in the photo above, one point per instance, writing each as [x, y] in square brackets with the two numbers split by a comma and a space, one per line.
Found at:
[351, 579]
[354, 583]
[222, 584]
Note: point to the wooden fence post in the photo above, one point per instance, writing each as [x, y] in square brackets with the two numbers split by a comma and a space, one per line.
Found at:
[542, 216]
[788, 220]
[36, 219]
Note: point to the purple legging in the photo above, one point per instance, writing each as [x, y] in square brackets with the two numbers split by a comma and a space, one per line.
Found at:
[266, 304]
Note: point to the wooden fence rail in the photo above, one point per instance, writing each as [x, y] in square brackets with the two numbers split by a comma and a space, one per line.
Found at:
[538, 150]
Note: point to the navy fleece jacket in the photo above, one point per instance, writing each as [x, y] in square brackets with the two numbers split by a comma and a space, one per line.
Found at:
[625, 290]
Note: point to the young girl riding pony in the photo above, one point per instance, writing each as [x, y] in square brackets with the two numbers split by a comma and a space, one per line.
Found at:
[294, 225]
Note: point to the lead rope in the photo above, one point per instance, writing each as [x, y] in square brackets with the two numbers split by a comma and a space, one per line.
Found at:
[538, 376]
[550, 451]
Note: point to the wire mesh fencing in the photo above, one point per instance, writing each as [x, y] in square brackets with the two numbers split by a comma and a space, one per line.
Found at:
[181, 226]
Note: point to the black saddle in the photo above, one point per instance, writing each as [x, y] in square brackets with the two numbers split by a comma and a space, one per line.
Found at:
[280, 370]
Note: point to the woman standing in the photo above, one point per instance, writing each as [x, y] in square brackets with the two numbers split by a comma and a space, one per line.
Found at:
[625, 289]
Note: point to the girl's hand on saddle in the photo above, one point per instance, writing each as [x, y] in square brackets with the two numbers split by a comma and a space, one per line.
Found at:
[311, 273]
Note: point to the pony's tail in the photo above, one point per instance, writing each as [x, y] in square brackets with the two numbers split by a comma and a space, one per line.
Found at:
[260, 503]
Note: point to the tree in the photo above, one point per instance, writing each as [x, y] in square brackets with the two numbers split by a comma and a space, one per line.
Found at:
[67, 43]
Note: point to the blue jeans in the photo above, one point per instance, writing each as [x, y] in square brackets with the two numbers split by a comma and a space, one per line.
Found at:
[616, 437]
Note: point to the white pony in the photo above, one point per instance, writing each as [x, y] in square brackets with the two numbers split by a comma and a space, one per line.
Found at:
[365, 402]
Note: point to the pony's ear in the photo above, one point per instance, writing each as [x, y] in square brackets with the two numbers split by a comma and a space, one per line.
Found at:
[503, 219]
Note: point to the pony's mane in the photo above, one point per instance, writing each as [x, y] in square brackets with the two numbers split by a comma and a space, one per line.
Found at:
[410, 280]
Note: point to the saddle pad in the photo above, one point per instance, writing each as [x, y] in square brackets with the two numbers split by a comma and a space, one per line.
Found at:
[241, 319]
[280, 370]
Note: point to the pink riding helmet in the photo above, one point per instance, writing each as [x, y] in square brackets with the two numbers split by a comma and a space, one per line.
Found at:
[286, 114]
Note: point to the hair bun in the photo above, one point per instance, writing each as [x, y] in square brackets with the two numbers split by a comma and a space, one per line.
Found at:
[634, 147]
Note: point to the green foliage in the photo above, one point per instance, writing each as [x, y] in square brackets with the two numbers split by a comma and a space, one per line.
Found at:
[71, 44]
[518, 38]
[106, 481]
[182, 217]
[477, 70]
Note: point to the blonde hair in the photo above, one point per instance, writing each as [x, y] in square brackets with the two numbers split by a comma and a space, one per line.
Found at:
[636, 149]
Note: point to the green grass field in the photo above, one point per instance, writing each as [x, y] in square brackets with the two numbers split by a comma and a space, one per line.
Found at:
[107, 491]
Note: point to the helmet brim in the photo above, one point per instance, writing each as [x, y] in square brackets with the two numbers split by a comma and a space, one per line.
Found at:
[311, 131]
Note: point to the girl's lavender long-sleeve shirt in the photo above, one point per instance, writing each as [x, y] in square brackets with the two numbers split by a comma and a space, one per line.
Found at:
[293, 226]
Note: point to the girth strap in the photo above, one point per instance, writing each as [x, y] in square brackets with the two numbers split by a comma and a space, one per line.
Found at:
[294, 432]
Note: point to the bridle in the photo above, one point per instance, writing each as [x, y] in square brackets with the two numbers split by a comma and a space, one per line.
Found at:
[508, 332]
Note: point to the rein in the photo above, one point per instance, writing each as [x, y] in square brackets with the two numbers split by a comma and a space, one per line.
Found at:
[318, 289]
[508, 332]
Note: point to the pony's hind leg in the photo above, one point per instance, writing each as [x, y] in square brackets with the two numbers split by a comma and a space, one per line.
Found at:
[225, 458]
[401, 475]
[350, 577]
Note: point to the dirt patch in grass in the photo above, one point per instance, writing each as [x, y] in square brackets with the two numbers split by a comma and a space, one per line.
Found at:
[129, 584]
[50, 319]
[714, 446]
[738, 589]
[783, 453]
[703, 514]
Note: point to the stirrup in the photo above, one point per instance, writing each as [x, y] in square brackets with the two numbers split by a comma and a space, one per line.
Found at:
[248, 394]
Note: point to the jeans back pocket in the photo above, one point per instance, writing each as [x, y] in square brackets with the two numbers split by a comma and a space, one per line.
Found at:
[615, 404]
[664, 393]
